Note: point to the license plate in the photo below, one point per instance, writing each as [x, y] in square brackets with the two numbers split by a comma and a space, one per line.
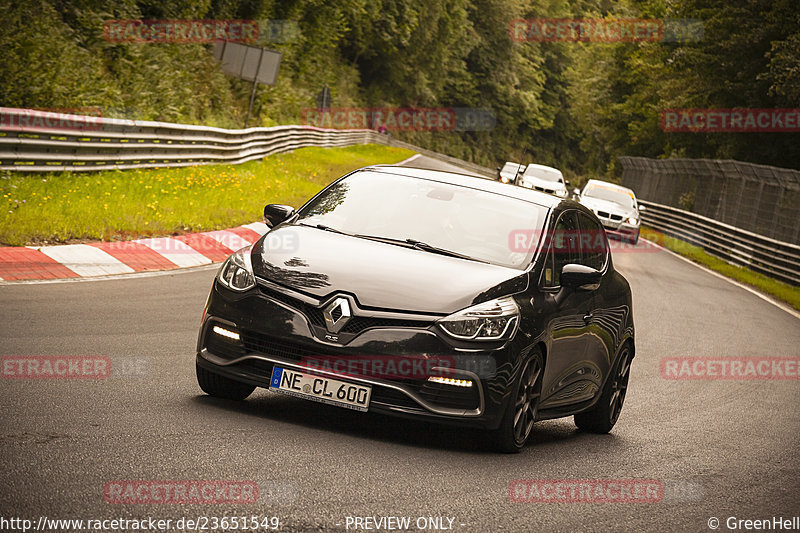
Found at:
[319, 389]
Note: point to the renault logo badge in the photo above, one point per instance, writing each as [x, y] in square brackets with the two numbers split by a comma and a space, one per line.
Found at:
[336, 314]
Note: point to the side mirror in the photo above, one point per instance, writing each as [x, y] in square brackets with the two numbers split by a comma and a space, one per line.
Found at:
[642, 208]
[576, 276]
[274, 214]
[566, 182]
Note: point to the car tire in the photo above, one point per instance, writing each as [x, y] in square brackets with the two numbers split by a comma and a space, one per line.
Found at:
[605, 413]
[220, 386]
[520, 414]
[634, 240]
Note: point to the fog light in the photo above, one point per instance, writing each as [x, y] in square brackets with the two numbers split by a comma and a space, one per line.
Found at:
[226, 333]
[451, 381]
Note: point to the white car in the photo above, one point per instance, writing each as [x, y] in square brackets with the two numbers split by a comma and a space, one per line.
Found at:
[544, 179]
[508, 172]
[615, 206]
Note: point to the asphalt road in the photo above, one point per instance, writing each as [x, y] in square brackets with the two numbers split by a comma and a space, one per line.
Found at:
[720, 448]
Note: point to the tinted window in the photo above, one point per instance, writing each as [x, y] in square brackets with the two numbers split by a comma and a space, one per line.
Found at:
[564, 248]
[467, 220]
[594, 244]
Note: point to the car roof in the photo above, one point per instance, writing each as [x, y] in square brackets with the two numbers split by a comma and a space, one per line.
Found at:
[542, 167]
[474, 182]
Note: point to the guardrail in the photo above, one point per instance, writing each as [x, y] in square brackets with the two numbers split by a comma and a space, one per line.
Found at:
[773, 258]
[43, 141]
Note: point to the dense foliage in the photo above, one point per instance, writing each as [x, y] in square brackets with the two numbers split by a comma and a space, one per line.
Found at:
[573, 105]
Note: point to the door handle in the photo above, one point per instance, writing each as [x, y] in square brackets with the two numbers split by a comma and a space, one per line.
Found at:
[587, 318]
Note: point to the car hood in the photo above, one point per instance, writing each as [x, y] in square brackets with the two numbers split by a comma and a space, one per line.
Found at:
[596, 204]
[379, 275]
[533, 181]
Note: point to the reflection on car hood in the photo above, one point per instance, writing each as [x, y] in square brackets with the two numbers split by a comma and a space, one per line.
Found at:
[596, 204]
[380, 275]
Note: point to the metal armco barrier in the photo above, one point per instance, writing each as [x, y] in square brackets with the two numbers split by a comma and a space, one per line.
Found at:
[776, 259]
[42, 141]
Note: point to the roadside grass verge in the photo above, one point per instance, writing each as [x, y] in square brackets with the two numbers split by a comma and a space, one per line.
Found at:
[118, 205]
[782, 291]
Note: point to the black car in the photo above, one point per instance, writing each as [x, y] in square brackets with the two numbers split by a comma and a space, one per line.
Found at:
[430, 295]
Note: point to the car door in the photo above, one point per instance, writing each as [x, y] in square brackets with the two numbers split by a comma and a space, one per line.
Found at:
[608, 314]
[565, 377]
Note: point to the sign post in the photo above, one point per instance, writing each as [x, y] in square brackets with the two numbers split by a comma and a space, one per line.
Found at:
[249, 63]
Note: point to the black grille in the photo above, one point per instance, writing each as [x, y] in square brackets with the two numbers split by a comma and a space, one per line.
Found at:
[616, 217]
[258, 342]
[443, 395]
[355, 325]
[391, 397]
[602, 214]
[275, 295]
[314, 314]
[258, 367]
[360, 323]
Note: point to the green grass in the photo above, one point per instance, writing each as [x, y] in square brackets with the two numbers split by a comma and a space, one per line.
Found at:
[114, 205]
[782, 291]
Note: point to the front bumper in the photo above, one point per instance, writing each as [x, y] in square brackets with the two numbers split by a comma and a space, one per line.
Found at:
[277, 328]
[617, 227]
[624, 231]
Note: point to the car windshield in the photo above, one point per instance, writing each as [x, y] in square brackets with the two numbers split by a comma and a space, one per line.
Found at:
[467, 221]
[611, 194]
[510, 167]
[542, 174]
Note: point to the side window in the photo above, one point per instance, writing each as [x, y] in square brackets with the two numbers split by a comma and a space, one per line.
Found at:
[594, 244]
[564, 248]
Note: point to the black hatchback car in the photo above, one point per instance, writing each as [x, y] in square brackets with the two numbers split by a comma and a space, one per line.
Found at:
[431, 295]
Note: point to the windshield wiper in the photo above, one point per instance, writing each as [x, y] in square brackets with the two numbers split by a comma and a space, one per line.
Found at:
[324, 227]
[420, 245]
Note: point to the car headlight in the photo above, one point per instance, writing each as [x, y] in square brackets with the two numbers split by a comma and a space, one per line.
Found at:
[633, 220]
[489, 321]
[236, 272]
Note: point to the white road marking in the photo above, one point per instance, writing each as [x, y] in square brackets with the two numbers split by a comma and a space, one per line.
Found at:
[258, 227]
[176, 251]
[409, 160]
[86, 260]
[112, 277]
[228, 239]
